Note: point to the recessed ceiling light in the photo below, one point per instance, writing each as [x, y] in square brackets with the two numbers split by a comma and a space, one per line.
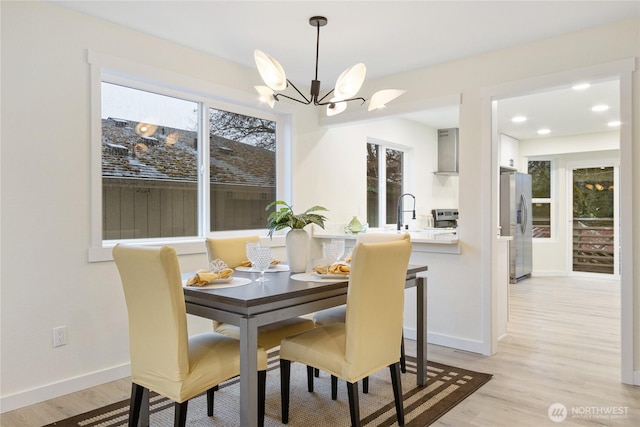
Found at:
[581, 86]
[614, 123]
[600, 107]
[544, 131]
[519, 119]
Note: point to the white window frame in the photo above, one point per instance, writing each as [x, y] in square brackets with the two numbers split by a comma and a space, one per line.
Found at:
[553, 221]
[138, 76]
[570, 167]
[407, 171]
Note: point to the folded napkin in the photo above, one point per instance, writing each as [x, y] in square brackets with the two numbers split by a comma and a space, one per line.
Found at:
[337, 268]
[203, 277]
[247, 263]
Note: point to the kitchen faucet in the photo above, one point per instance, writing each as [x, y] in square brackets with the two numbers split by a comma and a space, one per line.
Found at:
[400, 211]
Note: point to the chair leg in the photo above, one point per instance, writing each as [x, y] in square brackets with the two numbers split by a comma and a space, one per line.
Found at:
[403, 359]
[180, 414]
[135, 404]
[210, 395]
[334, 387]
[396, 381]
[310, 379]
[316, 372]
[354, 404]
[262, 386]
[365, 385]
[285, 377]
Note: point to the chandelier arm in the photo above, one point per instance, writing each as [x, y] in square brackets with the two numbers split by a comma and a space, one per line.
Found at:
[342, 100]
[318, 102]
[305, 102]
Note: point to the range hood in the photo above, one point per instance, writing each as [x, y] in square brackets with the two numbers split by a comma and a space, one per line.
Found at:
[447, 152]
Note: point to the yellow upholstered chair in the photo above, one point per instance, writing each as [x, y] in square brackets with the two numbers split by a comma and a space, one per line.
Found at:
[232, 251]
[354, 350]
[337, 314]
[163, 357]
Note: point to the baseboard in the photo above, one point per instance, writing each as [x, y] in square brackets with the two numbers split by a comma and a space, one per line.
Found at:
[447, 341]
[70, 385]
[548, 273]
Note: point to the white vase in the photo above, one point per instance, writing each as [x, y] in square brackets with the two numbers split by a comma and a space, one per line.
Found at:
[297, 250]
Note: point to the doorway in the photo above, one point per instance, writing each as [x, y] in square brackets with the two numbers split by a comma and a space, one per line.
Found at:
[622, 70]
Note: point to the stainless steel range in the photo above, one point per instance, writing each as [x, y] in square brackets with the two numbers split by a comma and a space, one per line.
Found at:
[445, 218]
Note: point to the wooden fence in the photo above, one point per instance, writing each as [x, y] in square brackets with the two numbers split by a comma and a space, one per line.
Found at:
[593, 245]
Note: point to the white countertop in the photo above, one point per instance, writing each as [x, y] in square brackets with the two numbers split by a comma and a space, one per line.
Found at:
[439, 236]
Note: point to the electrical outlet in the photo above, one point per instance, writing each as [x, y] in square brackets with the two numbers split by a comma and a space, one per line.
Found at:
[59, 336]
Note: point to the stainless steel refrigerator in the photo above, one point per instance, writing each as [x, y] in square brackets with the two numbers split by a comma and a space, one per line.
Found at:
[516, 221]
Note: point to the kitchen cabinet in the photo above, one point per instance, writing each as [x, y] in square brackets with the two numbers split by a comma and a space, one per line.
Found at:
[509, 149]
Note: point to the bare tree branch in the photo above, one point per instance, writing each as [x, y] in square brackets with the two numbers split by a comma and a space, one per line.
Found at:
[246, 129]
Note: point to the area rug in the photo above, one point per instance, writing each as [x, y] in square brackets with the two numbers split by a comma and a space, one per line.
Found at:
[446, 387]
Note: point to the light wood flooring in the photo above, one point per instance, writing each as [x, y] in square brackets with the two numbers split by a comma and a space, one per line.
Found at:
[563, 346]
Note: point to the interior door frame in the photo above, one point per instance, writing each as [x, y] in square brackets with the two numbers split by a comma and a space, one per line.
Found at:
[622, 69]
[571, 166]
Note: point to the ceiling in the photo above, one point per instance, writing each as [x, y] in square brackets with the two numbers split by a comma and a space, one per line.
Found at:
[388, 36]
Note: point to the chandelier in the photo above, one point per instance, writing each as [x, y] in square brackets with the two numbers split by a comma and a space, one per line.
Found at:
[346, 89]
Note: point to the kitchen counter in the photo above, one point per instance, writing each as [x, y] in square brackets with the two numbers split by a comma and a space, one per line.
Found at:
[439, 240]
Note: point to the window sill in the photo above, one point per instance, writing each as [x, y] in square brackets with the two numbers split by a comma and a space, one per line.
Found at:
[182, 247]
[188, 246]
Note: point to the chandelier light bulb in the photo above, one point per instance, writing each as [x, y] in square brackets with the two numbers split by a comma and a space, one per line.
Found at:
[382, 97]
[336, 108]
[270, 70]
[266, 95]
[350, 81]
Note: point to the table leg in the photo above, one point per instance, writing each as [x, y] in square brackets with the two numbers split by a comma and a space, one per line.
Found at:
[421, 301]
[249, 372]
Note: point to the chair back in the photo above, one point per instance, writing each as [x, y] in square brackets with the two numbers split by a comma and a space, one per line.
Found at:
[375, 304]
[158, 337]
[231, 250]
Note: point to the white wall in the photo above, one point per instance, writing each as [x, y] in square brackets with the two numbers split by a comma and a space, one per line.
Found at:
[550, 256]
[342, 151]
[46, 279]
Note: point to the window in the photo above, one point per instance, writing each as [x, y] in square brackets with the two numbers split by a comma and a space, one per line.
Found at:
[540, 171]
[242, 170]
[385, 178]
[173, 165]
[149, 165]
[150, 149]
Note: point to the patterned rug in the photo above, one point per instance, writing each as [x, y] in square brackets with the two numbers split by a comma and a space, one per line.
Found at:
[446, 387]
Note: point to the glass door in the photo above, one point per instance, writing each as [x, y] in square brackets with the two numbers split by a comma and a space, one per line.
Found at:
[594, 220]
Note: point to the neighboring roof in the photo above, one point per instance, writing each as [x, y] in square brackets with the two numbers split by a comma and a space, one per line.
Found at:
[171, 154]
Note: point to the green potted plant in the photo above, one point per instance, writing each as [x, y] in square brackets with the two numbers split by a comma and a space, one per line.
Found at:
[297, 239]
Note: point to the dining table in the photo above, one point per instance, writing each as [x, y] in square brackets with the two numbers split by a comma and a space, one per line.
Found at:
[285, 295]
